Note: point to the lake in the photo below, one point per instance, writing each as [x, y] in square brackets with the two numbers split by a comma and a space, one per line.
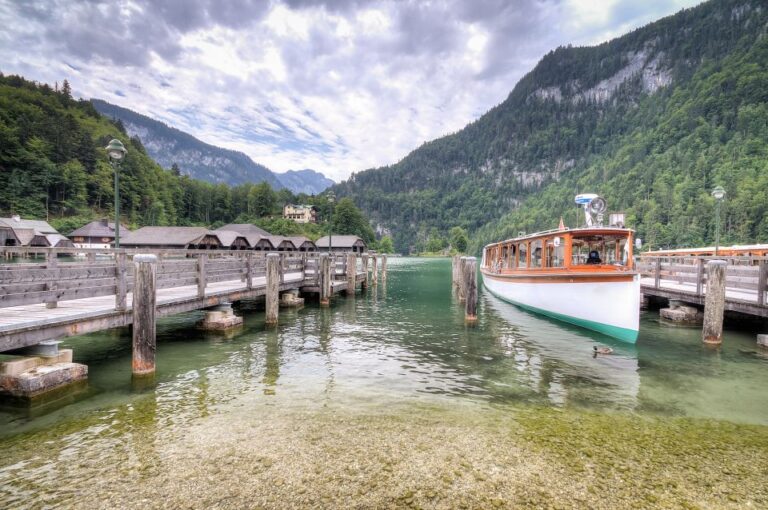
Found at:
[389, 399]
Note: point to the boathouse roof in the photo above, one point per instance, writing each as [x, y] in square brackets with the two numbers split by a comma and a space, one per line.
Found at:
[98, 228]
[246, 229]
[302, 243]
[345, 241]
[230, 238]
[39, 226]
[171, 237]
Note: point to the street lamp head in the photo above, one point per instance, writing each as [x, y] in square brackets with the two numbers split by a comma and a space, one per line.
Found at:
[115, 149]
[718, 193]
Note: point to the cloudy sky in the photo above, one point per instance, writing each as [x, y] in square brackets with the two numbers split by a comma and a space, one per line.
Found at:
[334, 85]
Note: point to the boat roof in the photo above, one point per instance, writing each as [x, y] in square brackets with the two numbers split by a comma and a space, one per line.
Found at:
[581, 230]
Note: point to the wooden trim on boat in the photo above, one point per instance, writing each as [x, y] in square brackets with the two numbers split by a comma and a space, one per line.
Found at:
[574, 277]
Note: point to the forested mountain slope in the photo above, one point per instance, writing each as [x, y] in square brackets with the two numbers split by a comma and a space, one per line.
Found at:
[652, 120]
[170, 146]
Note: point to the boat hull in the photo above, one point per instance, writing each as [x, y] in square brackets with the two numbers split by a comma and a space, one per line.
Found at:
[611, 307]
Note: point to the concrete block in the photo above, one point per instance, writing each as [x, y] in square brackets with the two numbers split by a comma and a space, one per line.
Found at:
[290, 299]
[42, 379]
[681, 315]
[762, 341]
[220, 320]
[16, 367]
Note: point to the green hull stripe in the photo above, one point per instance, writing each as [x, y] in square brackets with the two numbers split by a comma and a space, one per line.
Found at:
[623, 334]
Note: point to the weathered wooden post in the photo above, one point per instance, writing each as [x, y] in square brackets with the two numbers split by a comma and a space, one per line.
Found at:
[462, 279]
[52, 262]
[374, 271]
[364, 283]
[274, 277]
[700, 276]
[657, 274]
[249, 270]
[714, 303]
[90, 257]
[470, 277]
[762, 281]
[121, 286]
[281, 272]
[201, 277]
[455, 272]
[144, 301]
[325, 280]
[384, 267]
[351, 274]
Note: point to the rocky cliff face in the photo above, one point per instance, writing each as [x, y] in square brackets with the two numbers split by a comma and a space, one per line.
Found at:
[306, 181]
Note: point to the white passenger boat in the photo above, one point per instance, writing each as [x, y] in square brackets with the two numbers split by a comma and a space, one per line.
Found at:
[584, 276]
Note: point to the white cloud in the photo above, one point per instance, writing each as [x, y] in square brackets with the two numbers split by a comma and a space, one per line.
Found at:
[338, 88]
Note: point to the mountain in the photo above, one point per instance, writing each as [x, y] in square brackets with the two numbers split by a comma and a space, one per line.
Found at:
[169, 146]
[305, 181]
[653, 120]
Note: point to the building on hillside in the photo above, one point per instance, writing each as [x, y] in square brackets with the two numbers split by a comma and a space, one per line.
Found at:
[15, 231]
[97, 234]
[258, 239]
[302, 243]
[341, 244]
[300, 213]
[185, 238]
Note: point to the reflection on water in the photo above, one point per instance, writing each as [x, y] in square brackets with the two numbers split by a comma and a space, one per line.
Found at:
[403, 341]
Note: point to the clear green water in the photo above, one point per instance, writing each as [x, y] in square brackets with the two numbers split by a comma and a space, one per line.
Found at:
[403, 344]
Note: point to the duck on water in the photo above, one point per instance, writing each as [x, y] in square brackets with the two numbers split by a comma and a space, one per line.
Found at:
[585, 276]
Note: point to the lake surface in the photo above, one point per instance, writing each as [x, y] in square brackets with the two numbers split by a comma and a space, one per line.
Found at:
[402, 347]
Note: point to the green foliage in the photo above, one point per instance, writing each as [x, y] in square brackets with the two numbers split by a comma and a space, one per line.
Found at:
[653, 155]
[347, 219]
[459, 239]
[385, 245]
[435, 243]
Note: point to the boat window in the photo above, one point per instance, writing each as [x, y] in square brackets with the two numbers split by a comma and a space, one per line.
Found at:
[511, 256]
[536, 253]
[503, 257]
[599, 249]
[555, 254]
[522, 253]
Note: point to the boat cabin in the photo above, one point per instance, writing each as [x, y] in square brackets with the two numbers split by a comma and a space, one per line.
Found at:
[556, 250]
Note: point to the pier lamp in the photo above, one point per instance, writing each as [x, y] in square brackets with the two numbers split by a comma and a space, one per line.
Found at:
[116, 152]
[331, 199]
[719, 194]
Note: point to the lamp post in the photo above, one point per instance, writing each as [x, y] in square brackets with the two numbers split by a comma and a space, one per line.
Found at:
[719, 194]
[331, 199]
[116, 152]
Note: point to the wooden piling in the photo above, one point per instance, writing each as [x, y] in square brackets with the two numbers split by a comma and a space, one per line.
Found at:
[384, 267]
[144, 301]
[714, 303]
[455, 272]
[462, 279]
[351, 274]
[201, 277]
[121, 286]
[52, 262]
[249, 270]
[470, 285]
[364, 283]
[325, 280]
[374, 271]
[273, 287]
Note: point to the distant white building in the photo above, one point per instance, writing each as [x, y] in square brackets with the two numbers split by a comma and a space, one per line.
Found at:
[300, 213]
[96, 234]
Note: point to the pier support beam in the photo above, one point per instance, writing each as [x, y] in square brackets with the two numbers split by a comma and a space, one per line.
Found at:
[762, 341]
[383, 267]
[325, 280]
[374, 271]
[455, 272]
[26, 378]
[273, 287]
[291, 299]
[351, 274]
[714, 304]
[462, 288]
[681, 312]
[144, 307]
[470, 286]
[364, 283]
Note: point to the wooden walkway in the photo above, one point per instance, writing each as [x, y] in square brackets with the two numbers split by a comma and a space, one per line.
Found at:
[184, 284]
[684, 279]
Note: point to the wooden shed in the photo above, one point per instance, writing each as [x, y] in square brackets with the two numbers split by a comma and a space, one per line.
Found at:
[303, 244]
[343, 243]
[192, 238]
[232, 240]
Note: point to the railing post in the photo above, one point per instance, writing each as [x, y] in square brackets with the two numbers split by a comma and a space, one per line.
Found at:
[700, 277]
[470, 278]
[761, 282]
[374, 271]
[714, 303]
[274, 277]
[90, 257]
[351, 273]
[249, 270]
[121, 286]
[384, 267]
[282, 260]
[657, 274]
[52, 263]
[304, 258]
[202, 258]
[462, 279]
[325, 280]
[144, 301]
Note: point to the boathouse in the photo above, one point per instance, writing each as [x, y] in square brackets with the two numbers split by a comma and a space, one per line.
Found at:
[258, 239]
[352, 244]
[193, 238]
[303, 243]
[96, 234]
[282, 243]
[15, 231]
[232, 240]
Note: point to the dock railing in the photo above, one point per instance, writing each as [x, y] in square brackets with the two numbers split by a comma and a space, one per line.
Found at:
[746, 277]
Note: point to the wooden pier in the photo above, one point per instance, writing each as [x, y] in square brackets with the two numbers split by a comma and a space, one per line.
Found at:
[684, 278]
[75, 291]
